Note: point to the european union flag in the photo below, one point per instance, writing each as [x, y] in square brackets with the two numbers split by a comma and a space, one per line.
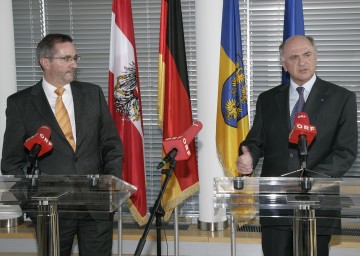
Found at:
[293, 25]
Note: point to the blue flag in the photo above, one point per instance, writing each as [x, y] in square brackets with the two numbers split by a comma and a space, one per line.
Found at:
[293, 24]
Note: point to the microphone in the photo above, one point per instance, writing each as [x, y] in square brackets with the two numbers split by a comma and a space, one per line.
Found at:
[39, 144]
[303, 133]
[178, 147]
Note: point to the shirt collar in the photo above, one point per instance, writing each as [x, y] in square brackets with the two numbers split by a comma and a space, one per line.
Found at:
[49, 88]
[308, 85]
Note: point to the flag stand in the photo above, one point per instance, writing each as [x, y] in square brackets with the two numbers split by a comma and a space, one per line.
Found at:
[156, 211]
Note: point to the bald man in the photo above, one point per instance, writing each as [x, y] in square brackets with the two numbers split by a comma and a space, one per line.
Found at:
[331, 109]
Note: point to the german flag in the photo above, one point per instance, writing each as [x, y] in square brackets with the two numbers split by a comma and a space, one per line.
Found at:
[174, 105]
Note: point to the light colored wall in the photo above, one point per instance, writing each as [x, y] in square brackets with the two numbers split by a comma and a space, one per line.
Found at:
[7, 61]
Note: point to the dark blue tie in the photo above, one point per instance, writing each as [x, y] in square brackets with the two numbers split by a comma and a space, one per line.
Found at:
[298, 105]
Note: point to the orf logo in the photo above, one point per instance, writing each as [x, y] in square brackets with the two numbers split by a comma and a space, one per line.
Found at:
[306, 127]
[186, 146]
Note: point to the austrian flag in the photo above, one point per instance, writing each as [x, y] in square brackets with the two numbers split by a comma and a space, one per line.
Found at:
[125, 103]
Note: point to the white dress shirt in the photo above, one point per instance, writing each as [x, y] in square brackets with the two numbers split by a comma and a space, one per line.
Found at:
[294, 95]
[67, 99]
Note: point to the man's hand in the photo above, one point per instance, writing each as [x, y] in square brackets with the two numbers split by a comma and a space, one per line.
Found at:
[244, 163]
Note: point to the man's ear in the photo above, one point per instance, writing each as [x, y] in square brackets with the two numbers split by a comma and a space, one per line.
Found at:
[283, 65]
[44, 63]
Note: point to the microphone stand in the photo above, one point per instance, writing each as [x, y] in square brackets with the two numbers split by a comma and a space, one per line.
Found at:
[35, 173]
[303, 153]
[157, 211]
[33, 166]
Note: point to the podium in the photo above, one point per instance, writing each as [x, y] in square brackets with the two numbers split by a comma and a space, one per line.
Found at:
[47, 196]
[305, 203]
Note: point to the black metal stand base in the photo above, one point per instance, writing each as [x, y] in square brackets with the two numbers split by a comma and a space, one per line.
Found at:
[158, 212]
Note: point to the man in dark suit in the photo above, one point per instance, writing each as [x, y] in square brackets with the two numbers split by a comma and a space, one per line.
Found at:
[91, 144]
[331, 109]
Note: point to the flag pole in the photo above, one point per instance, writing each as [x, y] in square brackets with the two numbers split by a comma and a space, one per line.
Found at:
[176, 231]
[120, 230]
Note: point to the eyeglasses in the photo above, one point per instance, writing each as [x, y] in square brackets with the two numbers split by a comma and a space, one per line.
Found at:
[66, 59]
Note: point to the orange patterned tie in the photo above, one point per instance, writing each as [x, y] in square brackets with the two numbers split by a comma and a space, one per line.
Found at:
[63, 118]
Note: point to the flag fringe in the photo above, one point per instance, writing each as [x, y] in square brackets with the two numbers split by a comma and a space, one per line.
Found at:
[242, 214]
[227, 172]
[161, 91]
[170, 205]
[141, 220]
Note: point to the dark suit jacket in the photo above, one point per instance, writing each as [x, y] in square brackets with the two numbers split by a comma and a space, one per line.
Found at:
[331, 109]
[98, 146]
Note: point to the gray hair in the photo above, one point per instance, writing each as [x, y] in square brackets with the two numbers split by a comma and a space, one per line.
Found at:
[46, 47]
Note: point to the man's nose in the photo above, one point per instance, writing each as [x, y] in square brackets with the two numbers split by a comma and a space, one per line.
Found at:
[301, 60]
[73, 63]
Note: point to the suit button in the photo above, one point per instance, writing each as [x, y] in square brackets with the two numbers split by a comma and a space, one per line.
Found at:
[75, 159]
[291, 155]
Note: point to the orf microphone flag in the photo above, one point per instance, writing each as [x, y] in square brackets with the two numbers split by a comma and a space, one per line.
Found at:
[302, 127]
[181, 143]
[39, 144]
[178, 147]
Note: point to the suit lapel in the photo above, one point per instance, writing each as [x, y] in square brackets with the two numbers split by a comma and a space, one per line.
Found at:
[312, 105]
[42, 105]
[315, 99]
[79, 106]
[282, 103]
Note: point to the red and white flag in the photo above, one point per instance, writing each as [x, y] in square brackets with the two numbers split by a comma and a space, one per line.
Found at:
[125, 103]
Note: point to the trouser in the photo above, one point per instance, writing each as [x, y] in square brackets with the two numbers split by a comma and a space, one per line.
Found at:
[94, 236]
[279, 241]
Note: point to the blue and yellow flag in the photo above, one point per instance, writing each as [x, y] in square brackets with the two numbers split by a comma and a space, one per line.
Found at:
[232, 124]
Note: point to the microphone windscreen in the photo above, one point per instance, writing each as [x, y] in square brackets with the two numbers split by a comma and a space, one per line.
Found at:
[302, 127]
[192, 131]
[301, 118]
[181, 143]
[45, 131]
[40, 138]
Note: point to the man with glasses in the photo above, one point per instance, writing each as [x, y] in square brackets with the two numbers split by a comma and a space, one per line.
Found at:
[85, 140]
